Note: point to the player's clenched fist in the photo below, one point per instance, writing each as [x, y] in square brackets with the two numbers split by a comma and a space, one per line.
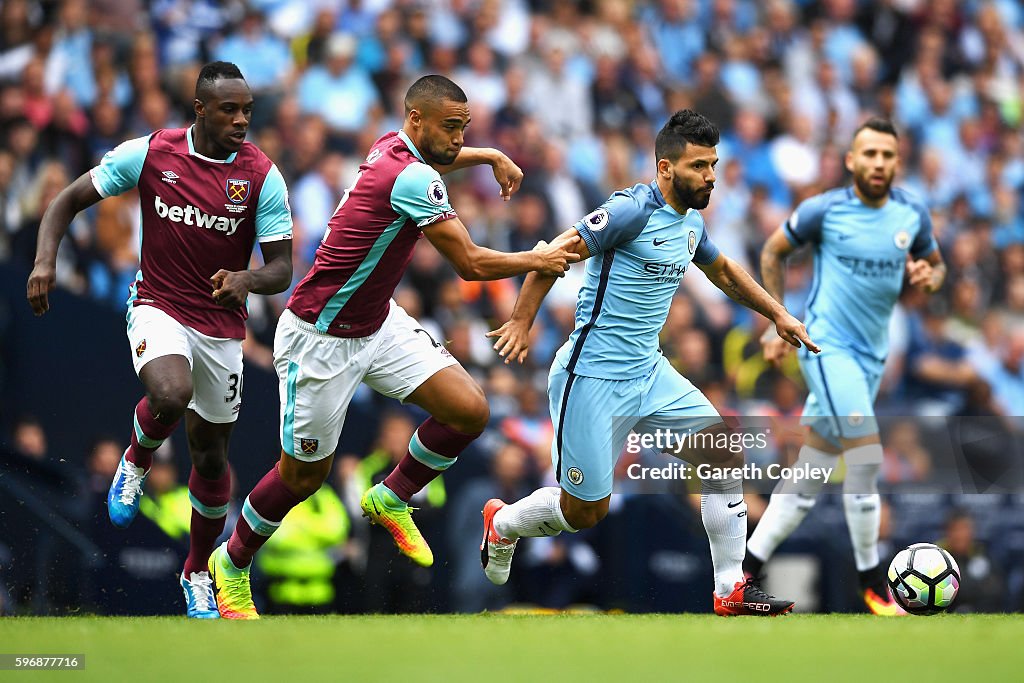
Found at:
[231, 288]
[40, 283]
[921, 275]
[775, 347]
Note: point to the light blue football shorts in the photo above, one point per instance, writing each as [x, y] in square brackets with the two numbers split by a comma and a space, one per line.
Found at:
[593, 418]
[843, 385]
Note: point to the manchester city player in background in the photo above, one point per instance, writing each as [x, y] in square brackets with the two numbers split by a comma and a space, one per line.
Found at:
[610, 376]
[865, 238]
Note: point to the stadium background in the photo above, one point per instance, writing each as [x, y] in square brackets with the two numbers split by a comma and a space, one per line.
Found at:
[574, 92]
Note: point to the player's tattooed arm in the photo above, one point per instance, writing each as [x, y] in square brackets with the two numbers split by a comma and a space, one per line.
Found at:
[730, 277]
[927, 274]
[230, 288]
[508, 175]
[773, 264]
[512, 340]
[773, 274]
[76, 197]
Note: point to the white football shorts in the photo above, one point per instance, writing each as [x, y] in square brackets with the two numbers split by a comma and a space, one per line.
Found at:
[318, 374]
[216, 362]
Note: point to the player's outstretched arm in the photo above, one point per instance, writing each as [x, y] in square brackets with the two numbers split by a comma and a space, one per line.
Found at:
[76, 197]
[506, 172]
[230, 288]
[513, 338]
[730, 277]
[773, 274]
[473, 262]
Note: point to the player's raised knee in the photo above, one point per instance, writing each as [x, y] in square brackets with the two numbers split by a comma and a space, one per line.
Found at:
[304, 478]
[470, 413]
[717, 447]
[169, 398]
[584, 514]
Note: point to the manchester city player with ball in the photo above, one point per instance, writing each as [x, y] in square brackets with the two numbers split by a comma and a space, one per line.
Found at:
[867, 238]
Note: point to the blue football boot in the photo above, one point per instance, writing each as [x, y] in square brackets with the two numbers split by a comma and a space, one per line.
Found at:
[125, 493]
[199, 600]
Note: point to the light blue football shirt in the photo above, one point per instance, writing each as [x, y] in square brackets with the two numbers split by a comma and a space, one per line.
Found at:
[640, 248]
[860, 254]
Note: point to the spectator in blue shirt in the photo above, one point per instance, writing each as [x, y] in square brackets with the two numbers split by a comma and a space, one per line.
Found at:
[340, 92]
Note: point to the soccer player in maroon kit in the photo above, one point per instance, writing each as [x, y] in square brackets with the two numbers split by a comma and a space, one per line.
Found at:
[207, 196]
[341, 327]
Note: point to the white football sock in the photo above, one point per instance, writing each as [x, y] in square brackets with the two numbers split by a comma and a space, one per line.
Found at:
[539, 514]
[862, 504]
[725, 520]
[790, 502]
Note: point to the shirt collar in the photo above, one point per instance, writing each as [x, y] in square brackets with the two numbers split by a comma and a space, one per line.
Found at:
[408, 142]
[193, 152]
[658, 196]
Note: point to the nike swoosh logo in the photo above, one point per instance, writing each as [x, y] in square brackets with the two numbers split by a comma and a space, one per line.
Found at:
[843, 236]
[732, 505]
[658, 243]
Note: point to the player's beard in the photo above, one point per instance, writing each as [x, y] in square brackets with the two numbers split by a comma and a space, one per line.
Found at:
[694, 198]
[443, 155]
[870, 191]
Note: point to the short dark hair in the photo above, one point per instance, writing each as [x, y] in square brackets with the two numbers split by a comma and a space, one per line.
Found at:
[432, 88]
[213, 72]
[880, 124]
[685, 126]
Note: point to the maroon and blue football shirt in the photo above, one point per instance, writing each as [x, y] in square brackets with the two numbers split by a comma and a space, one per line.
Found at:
[199, 215]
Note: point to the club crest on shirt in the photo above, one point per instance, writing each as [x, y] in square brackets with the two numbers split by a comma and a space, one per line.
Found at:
[436, 193]
[597, 220]
[309, 446]
[237, 190]
[140, 349]
[902, 239]
[691, 242]
[575, 475]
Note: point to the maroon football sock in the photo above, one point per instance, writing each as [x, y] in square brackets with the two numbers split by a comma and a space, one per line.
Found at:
[147, 435]
[434, 448]
[209, 511]
[262, 513]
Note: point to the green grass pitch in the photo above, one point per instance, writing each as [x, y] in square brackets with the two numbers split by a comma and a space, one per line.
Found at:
[497, 647]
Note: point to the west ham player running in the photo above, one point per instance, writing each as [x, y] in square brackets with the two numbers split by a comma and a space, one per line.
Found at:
[611, 368]
[865, 237]
[207, 196]
[341, 328]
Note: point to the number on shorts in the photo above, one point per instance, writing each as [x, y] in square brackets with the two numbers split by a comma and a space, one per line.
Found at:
[432, 340]
[234, 380]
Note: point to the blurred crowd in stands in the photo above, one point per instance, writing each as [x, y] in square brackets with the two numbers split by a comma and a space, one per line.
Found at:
[574, 92]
